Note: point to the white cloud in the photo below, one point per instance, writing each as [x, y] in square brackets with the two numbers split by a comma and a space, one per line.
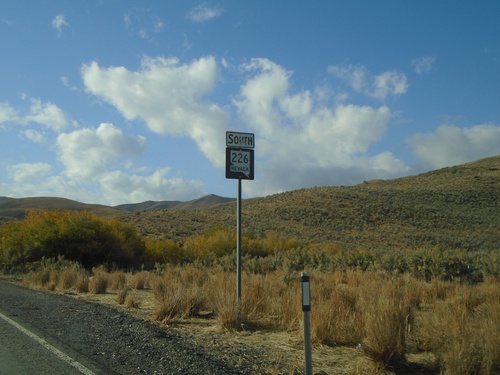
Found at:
[302, 143]
[118, 187]
[390, 82]
[59, 22]
[35, 136]
[203, 13]
[88, 153]
[7, 114]
[423, 64]
[168, 96]
[451, 145]
[66, 82]
[103, 158]
[29, 171]
[46, 114]
[378, 86]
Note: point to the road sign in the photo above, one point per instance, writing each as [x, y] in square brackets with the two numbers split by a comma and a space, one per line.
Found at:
[240, 140]
[239, 163]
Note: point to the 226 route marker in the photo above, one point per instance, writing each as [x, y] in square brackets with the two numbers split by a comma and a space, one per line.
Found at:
[239, 163]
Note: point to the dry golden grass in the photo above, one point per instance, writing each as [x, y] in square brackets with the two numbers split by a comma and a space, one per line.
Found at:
[121, 296]
[98, 284]
[117, 280]
[139, 280]
[131, 301]
[394, 322]
[463, 330]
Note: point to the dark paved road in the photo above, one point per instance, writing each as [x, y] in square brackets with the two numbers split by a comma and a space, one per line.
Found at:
[26, 349]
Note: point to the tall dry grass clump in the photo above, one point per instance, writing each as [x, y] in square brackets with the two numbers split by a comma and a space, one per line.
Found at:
[117, 280]
[82, 281]
[98, 284]
[221, 298]
[179, 293]
[61, 275]
[463, 331]
[121, 295]
[140, 280]
[337, 319]
[371, 310]
[284, 302]
[67, 278]
[387, 315]
[267, 301]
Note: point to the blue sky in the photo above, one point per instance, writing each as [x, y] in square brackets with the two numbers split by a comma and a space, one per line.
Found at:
[126, 101]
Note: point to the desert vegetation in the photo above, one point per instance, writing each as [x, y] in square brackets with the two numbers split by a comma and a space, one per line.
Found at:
[75, 235]
[431, 308]
[406, 271]
[402, 322]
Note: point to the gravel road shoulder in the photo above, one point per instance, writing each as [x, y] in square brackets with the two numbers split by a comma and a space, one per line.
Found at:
[122, 343]
[126, 342]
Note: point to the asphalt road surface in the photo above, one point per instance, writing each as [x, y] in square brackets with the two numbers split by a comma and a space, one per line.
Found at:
[25, 349]
[50, 333]
[23, 354]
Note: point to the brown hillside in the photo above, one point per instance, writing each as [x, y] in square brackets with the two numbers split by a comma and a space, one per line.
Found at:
[456, 207]
[17, 207]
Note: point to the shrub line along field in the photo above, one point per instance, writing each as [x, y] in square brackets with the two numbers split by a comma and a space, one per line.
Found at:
[406, 270]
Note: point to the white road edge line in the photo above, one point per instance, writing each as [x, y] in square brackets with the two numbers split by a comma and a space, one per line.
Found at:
[45, 344]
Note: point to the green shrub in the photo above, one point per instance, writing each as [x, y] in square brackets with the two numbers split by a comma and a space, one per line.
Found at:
[77, 236]
[163, 252]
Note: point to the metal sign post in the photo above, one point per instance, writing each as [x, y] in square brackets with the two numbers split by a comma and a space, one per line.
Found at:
[238, 245]
[240, 166]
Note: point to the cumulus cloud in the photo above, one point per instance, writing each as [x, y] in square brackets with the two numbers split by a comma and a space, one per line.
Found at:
[119, 187]
[451, 145]
[203, 13]
[302, 143]
[376, 86]
[34, 135]
[423, 64]
[7, 114]
[88, 153]
[47, 114]
[104, 158]
[59, 22]
[168, 97]
[24, 172]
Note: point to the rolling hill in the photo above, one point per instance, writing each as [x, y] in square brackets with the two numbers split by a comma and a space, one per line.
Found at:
[456, 207]
[15, 208]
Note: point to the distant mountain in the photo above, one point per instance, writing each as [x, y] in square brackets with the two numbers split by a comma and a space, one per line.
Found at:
[15, 208]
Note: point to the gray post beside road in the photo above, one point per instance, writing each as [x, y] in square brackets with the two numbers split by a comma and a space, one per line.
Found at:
[306, 312]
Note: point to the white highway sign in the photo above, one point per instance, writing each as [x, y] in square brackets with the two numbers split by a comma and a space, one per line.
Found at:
[240, 140]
